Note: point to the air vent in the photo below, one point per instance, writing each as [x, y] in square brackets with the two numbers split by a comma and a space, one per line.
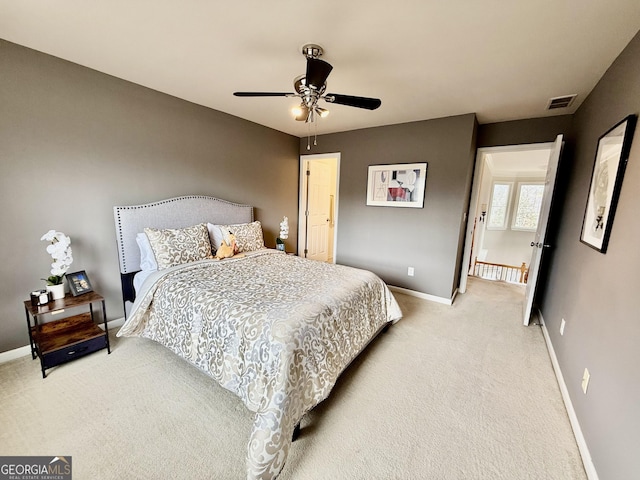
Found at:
[561, 102]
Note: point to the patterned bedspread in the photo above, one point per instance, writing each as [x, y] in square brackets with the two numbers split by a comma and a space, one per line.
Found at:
[275, 329]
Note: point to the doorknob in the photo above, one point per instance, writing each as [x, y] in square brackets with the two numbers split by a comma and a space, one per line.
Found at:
[539, 245]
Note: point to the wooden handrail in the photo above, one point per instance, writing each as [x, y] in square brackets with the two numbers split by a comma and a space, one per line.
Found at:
[501, 268]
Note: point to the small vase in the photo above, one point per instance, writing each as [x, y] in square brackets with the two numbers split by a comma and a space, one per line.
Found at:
[280, 246]
[57, 291]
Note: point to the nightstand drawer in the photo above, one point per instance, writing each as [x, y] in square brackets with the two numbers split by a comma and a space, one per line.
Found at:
[71, 352]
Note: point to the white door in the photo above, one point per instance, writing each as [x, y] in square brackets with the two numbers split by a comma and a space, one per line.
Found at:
[318, 201]
[538, 243]
[319, 216]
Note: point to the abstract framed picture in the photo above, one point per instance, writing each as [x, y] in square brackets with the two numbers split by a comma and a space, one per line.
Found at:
[397, 185]
[612, 154]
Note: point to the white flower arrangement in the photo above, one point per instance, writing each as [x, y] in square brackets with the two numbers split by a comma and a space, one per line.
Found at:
[60, 251]
[284, 228]
[284, 233]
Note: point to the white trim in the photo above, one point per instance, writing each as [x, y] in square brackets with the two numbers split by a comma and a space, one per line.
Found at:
[116, 323]
[587, 462]
[15, 353]
[26, 350]
[425, 296]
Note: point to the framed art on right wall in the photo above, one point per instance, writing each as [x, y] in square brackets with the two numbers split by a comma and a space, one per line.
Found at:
[612, 154]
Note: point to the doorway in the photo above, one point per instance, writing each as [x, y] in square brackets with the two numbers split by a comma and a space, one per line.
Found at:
[511, 183]
[508, 182]
[318, 219]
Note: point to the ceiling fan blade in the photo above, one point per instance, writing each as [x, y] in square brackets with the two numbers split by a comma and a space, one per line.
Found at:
[263, 94]
[317, 72]
[351, 101]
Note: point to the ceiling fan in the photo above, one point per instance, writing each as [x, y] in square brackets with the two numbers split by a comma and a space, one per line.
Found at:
[311, 86]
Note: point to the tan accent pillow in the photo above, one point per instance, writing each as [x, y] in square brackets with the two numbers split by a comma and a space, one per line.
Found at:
[177, 246]
[248, 235]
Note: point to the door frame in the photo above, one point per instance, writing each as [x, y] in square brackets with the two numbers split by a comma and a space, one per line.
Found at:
[474, 208]
[302, 201]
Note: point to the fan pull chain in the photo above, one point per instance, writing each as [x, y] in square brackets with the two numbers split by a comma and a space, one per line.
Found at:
[311, 119]
[315, 136]
[309, 122]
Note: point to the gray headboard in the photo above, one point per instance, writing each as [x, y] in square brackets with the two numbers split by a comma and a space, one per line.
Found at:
[176, 212]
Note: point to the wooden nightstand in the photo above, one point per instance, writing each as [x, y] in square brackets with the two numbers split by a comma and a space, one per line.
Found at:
[65, 339]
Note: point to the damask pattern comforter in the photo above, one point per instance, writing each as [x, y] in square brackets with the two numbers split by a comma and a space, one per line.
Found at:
[275, 329]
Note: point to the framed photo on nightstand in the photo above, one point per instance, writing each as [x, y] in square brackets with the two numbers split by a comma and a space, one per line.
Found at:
[79, 283]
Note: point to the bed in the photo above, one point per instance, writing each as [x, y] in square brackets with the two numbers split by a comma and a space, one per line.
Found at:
[275, 329]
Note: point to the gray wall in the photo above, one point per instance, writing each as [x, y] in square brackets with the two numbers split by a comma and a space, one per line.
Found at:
[387, 240]
[597, 294]
[75, 142]
[517, 132]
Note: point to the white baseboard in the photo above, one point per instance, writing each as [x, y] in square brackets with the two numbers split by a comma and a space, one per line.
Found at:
[26, 350]
[15, 353]
[116, 323]
[425, 296]
[589, 468]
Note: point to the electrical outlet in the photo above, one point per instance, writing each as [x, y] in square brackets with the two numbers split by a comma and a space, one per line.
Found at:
[585, 380]
[562, 324]
[410, 271]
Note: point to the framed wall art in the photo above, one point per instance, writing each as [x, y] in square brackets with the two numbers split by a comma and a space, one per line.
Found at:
[612, 154]
[397, 185]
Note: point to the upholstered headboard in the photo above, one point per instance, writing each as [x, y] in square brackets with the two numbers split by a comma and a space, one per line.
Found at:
[179, 212]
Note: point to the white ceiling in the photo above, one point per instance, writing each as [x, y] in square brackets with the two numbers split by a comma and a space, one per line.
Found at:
[518, 162]
[502, 59]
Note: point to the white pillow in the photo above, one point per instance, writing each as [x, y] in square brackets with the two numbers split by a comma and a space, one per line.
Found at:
[147, 258]
[215, 236]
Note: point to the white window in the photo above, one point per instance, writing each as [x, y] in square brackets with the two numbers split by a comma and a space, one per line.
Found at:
[499, 206]
[528, 203]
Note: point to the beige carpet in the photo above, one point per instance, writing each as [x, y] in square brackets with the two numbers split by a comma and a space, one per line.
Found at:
[460, 392]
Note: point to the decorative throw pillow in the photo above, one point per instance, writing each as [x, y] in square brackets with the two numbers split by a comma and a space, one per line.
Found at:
[177, 246]
[248, 236]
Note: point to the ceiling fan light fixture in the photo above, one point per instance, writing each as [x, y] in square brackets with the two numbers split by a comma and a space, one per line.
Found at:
[300, 112]
[310, 89]
[322, 112]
